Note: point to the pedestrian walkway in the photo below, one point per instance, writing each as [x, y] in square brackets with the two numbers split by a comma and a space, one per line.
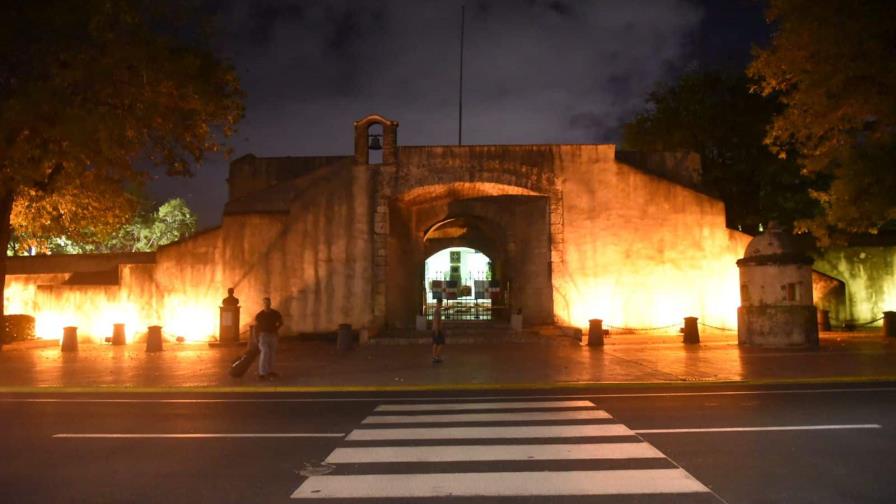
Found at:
[318, 365]
[543, 449]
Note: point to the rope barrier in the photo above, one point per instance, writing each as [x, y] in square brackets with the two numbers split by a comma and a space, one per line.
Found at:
[717, 328]
[643, 328]
[845, 323]
[871, 322]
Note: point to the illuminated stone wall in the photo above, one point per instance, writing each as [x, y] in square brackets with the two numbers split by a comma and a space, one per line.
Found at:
[626, 244]
[641, 251]
[91, 292]
[312, 257]
[870, 276]
[580, 229]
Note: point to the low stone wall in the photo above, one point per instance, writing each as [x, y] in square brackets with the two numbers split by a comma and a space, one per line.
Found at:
[58, 292]
[869, 273]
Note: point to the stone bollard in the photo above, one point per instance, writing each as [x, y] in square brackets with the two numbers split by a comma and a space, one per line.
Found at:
[364, 336]
[824, 320]
[118, 337]
[595, 332]
[70, 339]
[516, 321]
[154, 339]
[344, 337]
[691, 331]
[890, 324]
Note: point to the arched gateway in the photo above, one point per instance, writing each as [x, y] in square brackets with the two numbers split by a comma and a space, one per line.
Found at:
[567, 233]
[572, 232]
[495, 202]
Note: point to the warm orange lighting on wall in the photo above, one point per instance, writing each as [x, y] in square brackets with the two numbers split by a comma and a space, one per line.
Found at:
[95, 309]
[656, 298]
[192, 319]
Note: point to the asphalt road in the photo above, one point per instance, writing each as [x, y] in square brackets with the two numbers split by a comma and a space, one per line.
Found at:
[818, 444]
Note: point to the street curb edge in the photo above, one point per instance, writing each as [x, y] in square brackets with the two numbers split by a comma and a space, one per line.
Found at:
[446, 387]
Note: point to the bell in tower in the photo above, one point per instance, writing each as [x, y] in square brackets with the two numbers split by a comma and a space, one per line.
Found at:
[375, 143]
[368, 139]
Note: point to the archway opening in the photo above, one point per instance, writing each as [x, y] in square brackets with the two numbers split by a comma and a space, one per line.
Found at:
[464, 278]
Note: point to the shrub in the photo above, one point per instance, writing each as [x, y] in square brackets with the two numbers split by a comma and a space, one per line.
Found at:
[18, 328]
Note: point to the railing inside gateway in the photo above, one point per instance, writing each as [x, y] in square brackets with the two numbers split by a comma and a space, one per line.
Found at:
[475, 296]
[465, 309]
[462, 309]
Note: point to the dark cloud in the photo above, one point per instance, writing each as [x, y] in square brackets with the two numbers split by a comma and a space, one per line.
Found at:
[263, 18]
[562, 8]
[534, 72]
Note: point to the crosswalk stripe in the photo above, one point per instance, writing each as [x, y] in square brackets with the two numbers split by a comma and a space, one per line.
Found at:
[540, 431]
[198, 435]
[519, 416]
[482, 453]
[760, 429]
[484, 405]
[620, 481]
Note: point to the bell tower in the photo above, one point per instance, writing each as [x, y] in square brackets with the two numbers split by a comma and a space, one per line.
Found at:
[365, 141]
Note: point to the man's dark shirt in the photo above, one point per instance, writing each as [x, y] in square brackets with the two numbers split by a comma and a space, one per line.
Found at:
[268, 321]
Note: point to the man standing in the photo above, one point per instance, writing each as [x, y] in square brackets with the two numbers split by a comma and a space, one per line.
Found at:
[438, 335]
[267, 323]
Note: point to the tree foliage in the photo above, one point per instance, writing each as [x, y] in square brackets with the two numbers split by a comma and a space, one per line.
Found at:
[831, 65]
[172, 221]
[84, 210]
[713, 114]
[149, 229]
[87, 91]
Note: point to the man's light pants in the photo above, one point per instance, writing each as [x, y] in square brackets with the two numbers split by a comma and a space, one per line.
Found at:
[267, 343]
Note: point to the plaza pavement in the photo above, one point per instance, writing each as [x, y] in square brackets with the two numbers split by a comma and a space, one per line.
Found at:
[553, 362]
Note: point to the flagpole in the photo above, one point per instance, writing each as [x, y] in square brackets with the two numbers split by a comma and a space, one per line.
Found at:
[460, 101]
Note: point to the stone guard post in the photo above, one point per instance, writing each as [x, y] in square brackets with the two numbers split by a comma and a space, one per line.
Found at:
[776, 308]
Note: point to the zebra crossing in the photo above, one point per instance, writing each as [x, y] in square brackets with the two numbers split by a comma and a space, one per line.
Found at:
[540, 450]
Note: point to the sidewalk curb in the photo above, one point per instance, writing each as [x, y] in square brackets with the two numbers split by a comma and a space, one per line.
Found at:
[448, 387]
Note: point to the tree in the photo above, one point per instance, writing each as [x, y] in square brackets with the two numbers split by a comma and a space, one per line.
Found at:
[87, 91]
[77, 216]
[831, 65]
[172, 221]
[149, 229]
[713, 114]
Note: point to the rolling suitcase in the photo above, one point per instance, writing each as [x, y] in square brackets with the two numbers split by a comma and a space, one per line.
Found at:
[241, 364]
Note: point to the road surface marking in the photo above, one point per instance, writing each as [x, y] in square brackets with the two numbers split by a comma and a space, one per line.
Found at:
[417, 481]
[434, 399]
[542, 431]
[490, 417]
[749, 429]
[624, 481]
[499, 452]
[483, 405]
[216, 435]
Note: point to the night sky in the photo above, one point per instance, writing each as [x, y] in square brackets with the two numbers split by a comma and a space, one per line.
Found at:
[535, 71]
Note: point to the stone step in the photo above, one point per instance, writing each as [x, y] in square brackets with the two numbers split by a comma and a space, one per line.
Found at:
[473, 333]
